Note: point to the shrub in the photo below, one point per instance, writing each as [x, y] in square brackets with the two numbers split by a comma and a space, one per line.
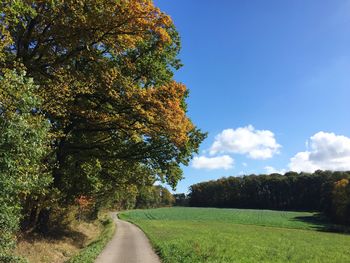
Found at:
[23, 144]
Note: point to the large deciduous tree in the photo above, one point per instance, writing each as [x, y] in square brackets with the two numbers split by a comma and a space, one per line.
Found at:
[105, 75]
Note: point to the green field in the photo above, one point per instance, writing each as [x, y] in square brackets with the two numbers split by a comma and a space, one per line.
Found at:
[237, 235]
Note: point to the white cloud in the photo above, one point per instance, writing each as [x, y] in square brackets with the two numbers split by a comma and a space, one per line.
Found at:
[328, 151]
[257, 144]
[272, 170]
[245, 164]
[211, 163]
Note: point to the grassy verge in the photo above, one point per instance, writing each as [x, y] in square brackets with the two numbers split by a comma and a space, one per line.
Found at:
[78, 242]
[90, 253]
[233, 235]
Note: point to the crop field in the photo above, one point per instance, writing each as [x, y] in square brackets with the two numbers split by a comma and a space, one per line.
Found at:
[237, 235]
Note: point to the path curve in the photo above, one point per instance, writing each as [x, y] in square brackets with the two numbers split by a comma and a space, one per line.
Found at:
[128, 245]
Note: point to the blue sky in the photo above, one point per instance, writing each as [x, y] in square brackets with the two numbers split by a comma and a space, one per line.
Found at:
[282, 67]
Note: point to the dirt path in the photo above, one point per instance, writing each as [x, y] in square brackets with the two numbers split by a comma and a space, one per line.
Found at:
[129, 245]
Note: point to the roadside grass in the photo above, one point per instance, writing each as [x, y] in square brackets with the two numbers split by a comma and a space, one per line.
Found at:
[80, 241]
[192, 235]
[90, 253]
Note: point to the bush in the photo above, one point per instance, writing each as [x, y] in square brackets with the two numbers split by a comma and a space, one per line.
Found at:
[23, 144]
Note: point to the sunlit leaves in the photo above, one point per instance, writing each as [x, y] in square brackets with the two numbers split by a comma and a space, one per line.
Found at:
[23, 145]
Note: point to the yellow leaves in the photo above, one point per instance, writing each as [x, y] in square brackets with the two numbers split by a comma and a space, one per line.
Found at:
[110, 76]
[340, 193]
[162, 107]
[5, 40]
[145, 17]
[56, 97]
[341, 183]
[163, 35]
[341, 199]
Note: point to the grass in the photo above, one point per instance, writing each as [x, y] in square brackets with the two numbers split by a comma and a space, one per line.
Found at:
[90, 253]
[80, 242]
[236, 235]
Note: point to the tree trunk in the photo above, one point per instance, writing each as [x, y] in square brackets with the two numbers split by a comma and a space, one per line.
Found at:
[42, 224]
[30, 212]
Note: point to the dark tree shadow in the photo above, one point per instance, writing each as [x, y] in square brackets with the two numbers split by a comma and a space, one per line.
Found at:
[323, 224]
[73, 237]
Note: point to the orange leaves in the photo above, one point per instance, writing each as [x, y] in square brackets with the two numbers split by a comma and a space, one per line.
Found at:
[163, 35]
[341, 183]
[151, 112]
[341, 200]
[162, 106]
[83, 201]
[105, 21]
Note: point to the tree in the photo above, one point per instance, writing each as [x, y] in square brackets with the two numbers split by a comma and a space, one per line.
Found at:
[341, 201]
[167, 199]
[154, 196]
[181, 199]
[104, 70]
[23, 145]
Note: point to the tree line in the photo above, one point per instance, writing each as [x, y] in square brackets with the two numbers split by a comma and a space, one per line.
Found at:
[89, 110]
[324, 191]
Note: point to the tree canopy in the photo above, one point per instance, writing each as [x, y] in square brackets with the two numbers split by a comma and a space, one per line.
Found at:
[105, 71]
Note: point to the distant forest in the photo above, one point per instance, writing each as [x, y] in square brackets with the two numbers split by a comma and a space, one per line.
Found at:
[324, 191]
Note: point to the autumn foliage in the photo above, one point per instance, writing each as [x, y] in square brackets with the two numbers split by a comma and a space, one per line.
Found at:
[105, 73]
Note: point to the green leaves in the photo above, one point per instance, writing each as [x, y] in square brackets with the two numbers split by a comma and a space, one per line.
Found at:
[23, 145]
